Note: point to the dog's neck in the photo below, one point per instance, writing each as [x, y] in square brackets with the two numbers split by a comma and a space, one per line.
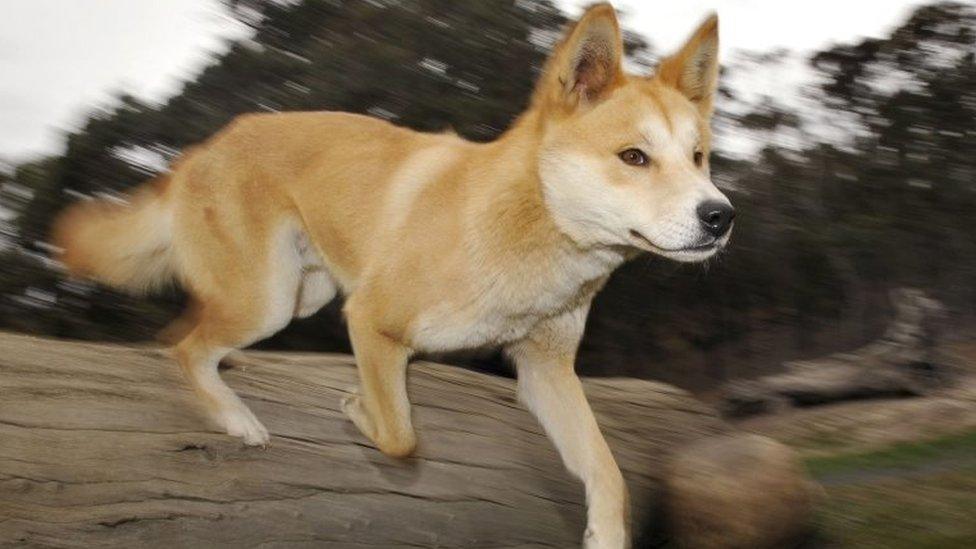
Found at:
[515, 217]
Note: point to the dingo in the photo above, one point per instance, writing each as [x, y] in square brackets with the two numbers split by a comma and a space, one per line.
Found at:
[438, 243]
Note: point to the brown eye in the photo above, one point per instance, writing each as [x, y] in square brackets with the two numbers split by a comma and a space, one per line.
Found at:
[699, 157]
[633, 157]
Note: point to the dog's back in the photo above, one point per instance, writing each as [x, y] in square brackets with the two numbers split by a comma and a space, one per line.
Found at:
[326, 173]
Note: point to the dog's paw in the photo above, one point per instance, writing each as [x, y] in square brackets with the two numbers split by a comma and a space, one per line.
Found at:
[605, 538]
[397, 444]
[352, 406]
[243, 423]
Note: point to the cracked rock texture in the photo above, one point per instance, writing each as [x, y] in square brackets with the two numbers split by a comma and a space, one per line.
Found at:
[104, 445]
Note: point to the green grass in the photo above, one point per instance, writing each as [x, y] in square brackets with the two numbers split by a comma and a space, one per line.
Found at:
[907, 496]
[908, 455]
[937, 511]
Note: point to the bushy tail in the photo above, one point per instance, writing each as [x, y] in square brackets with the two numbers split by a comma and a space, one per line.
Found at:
[127, 245]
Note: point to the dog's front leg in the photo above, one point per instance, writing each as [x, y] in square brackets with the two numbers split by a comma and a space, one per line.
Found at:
[380, 408]
[548, 385]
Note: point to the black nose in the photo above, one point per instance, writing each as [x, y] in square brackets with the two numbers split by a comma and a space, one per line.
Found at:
[716, 217]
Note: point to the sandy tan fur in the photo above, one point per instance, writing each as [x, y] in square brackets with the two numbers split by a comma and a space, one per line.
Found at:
[438, 243]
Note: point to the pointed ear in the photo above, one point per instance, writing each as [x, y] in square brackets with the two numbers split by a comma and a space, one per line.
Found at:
[586, 65]
[693, 70]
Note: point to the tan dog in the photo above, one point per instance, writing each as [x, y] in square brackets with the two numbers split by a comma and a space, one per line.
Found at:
[439, 243]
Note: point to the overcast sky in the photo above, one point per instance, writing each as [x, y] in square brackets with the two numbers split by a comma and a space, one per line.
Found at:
[58, 58]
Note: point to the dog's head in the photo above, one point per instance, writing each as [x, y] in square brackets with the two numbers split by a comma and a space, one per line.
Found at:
[624, 159]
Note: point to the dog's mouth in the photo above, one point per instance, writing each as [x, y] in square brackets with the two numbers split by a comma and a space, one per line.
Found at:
[646, 243]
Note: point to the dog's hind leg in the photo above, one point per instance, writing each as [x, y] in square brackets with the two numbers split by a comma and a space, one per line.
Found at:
[381, 409]
[181, 326]
[199, 354]
[315, 289]
[240, 314]
[238, 306]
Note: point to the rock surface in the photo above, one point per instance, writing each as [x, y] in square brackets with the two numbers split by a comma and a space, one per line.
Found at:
[105, 446]
[738, 491]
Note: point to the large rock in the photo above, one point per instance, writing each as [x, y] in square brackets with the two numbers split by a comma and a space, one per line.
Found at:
[737, 492]
[105, 446]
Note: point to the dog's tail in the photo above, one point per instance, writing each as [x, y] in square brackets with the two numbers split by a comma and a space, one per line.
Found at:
[124, 244]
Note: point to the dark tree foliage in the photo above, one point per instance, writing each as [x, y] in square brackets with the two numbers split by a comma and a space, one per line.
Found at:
[821, 234]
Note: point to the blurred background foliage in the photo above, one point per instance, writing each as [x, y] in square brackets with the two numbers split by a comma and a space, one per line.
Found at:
[824, 230]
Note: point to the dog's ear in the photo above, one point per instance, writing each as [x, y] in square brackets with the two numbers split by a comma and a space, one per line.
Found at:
[586, 65]
[693, 70]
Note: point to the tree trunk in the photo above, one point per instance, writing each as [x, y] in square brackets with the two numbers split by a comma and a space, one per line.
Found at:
[105, 445]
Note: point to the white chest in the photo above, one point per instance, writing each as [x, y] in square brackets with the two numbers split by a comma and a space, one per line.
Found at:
[504, 307]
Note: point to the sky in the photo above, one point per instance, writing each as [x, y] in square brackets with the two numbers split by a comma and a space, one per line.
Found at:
[59, 58]
[761, 25]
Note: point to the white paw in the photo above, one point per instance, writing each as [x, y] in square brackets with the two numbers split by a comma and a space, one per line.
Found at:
[353, 408]
[243, 423]
[604, 538]
[350, 403]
